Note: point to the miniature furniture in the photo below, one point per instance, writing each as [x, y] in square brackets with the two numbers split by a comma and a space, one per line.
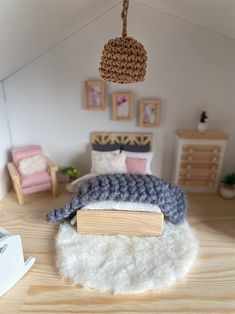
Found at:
[137, 223]
[199, 159]
[109, 221]
[12, 264]
[39, 181]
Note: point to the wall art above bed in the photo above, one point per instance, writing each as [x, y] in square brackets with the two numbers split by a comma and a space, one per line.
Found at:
[122, 106]
[95, 95]
[149, 113]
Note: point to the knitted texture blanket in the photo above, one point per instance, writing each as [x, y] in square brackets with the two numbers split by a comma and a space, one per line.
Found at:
[130, 188]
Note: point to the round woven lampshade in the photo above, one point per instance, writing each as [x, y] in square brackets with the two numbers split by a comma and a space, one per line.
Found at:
[124, 58]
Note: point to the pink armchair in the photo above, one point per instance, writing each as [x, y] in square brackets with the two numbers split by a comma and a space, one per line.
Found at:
[39, 181]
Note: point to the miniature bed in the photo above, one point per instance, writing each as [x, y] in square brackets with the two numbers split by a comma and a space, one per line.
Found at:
[112, 210]
[116, 220]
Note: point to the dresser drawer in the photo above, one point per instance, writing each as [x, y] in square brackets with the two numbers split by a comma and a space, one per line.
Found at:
[196, 183]
[202, 148]
[199, 166]
[197, 175]
[200, 157]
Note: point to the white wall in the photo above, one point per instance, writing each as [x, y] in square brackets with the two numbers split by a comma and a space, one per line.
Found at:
[4, 146]
[189, 69]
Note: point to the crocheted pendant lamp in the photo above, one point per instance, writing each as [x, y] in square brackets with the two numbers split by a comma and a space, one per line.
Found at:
[124, 58]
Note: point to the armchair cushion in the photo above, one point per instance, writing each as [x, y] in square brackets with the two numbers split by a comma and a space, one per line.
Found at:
[36, 188]
[25, 152]
[37, 178]
[31, 165]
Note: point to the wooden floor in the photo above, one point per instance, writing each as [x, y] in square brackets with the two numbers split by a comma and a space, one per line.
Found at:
[209, 287]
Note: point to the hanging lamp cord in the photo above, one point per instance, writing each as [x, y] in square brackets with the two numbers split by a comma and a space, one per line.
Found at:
[124, 17]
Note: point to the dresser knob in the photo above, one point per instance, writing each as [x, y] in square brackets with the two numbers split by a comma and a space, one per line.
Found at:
[214, 159]
[188, 175]
[187, 183]
[210, 183]
[212, 176]
[213, 167]
[188, 166]
[190, 150]
[215, 150]
[189, 157]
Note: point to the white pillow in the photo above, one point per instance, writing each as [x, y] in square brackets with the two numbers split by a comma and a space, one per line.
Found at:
[94, 157]
[108, 162]
[148, 156]
[31, 165]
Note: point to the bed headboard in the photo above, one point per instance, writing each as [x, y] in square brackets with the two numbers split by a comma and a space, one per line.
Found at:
[122, 138]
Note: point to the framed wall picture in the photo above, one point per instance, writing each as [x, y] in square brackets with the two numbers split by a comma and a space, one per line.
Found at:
[122, 106]
[95, 95]
[149, 113]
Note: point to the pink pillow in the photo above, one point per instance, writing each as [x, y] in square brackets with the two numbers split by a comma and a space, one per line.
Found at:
[136, 165]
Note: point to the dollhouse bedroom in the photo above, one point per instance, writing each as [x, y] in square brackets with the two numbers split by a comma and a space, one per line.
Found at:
[117, 156]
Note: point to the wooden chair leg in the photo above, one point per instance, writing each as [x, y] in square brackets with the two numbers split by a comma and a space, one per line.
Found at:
[54, 189]
[16, 182]
[19, 194]
[54, 184]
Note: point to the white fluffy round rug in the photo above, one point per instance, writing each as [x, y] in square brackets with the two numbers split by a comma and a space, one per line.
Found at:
[124, 264]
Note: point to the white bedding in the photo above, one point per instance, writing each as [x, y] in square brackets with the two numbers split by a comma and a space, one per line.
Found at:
[114, 205]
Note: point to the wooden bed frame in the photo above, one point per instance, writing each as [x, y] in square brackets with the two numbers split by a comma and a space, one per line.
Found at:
[123, 221]
[105, 138]
[135, 223]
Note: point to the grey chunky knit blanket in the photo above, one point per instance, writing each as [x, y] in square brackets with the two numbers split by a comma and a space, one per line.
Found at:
[130, 188]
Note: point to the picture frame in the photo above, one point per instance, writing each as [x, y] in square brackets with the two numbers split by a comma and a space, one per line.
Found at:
[95, 95]
[122, 106]
[149, 113]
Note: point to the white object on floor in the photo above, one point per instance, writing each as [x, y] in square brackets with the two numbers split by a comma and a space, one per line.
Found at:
[12, 264]
[227, 193]
[125, 265]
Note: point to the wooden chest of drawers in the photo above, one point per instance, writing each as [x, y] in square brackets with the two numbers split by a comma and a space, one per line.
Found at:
[199, 158]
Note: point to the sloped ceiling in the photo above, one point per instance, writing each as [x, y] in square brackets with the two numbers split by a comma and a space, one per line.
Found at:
[216, 15]
[29, 28]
